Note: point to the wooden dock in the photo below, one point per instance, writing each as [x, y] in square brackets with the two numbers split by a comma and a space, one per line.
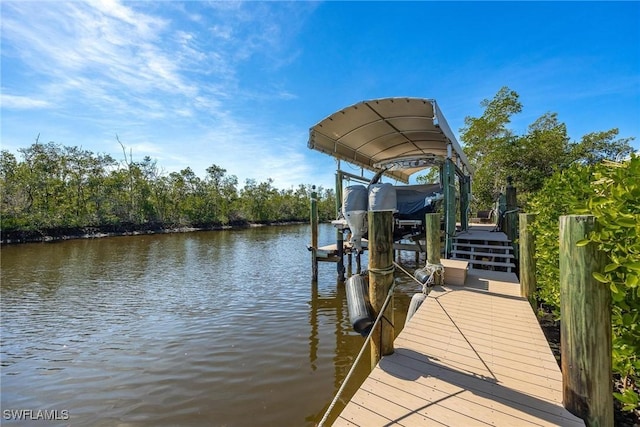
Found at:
[472, 355]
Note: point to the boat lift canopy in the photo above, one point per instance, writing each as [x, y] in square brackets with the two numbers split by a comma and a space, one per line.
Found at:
[401, 135]
[398, 137]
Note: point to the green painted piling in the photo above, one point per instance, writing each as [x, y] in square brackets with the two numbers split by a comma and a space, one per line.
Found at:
[527, 268]
[511, 218]
[449, 188]
[465, 190]
[432, 229]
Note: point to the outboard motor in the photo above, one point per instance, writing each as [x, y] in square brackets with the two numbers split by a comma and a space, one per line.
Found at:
[354, 210]
[382, 197]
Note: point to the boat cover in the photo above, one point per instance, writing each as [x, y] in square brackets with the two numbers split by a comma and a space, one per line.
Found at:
[414, 201]
[372, 133]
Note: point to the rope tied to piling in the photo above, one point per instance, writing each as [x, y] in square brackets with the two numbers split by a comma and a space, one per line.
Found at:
[433, 271]
[383, 271]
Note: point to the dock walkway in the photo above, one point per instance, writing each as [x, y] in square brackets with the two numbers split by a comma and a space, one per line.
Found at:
[472, 355]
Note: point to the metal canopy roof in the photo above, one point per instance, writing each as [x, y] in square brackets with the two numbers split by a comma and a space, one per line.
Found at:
[410, 133]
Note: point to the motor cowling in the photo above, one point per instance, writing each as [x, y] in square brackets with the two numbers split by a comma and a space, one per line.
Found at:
[354, 210]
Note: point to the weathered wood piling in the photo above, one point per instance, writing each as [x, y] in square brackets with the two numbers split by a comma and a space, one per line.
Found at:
[585, 309]
[314, 234]
[339, 233]
[380, 281]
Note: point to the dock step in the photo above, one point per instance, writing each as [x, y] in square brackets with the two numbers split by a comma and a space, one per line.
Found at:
[487, 263]
[496, 245]
[476, 263]
[483, 254]
[492, 251]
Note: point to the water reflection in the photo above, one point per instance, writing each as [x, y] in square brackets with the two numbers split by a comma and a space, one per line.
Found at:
[332, 303]
[210, 328]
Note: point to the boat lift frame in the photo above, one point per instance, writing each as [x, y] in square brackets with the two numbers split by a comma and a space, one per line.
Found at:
[397, 137]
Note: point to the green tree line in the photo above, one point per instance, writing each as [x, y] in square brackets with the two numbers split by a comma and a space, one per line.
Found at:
[50, 186]
[496, 151]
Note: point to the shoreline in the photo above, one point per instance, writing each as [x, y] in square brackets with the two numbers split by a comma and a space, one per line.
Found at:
[63, 234]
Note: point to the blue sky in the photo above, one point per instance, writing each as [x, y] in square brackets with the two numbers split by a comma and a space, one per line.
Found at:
[239, 84]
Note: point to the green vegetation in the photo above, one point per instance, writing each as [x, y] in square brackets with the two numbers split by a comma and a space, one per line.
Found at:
[611, 192]
[563, 194]
[496, 151]
[52, 187]
[616, 205]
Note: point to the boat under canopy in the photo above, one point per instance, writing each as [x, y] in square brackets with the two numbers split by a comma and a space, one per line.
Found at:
[396, 137]
[399, 135]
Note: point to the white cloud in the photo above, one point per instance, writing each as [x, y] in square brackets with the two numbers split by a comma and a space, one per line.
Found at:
[161, 72]
[145, 26]
[145, 147]
[110, 48]
[16, 102]
[224, 32]
[122, 51]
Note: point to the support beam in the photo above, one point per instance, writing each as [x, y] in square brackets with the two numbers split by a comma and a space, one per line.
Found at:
[527, 259]
[339, 233]
[432, 228]
[465, 193]
[585, 308]
[511, 216]
[449, 187]
[314, 234]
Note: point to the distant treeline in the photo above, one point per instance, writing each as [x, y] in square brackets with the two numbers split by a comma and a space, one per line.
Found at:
[53, 187]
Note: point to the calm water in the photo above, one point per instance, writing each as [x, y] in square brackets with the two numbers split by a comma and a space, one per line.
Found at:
[217, 328]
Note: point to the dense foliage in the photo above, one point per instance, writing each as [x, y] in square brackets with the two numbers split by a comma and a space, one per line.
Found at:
[57, 187]
[616, 205]
[611, 192]
[563, 194]
[497, 152]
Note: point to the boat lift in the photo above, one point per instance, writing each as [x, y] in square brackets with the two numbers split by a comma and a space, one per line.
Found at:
[396, 138]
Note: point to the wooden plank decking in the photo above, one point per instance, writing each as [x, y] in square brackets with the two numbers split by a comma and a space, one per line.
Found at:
[472, 355]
